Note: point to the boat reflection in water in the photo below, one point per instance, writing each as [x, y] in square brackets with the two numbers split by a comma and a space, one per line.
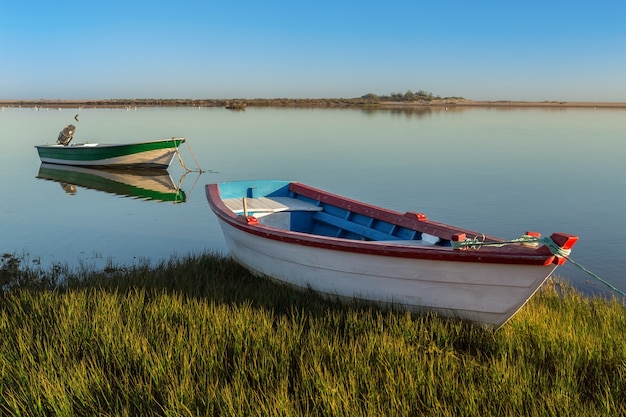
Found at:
[148, 184]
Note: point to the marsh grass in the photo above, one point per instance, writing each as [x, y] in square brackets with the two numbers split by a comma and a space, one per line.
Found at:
[200, 336]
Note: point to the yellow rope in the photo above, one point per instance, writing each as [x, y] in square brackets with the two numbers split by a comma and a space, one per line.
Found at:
[182, 163]
[193, 156]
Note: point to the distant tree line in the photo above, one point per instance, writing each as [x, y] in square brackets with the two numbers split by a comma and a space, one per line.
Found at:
[370, 99]
[421, 95]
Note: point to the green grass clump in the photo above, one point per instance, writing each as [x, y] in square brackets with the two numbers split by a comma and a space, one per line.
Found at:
[201, 336]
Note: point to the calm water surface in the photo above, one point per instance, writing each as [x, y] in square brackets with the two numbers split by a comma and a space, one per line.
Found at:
[496, 171]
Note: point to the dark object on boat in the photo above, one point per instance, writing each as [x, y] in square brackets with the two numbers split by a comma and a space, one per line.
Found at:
[66, 135]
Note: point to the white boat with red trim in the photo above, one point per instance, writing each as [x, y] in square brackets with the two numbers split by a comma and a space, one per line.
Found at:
[310, 238]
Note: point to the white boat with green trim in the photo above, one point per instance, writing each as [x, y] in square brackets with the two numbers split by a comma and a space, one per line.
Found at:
[150, 154]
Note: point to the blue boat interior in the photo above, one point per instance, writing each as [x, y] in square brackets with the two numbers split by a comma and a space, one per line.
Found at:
[296, 208]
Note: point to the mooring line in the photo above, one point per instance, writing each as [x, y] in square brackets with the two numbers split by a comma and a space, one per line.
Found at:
[182, 163]
[476, 243]
[611, 286]
[193, 156]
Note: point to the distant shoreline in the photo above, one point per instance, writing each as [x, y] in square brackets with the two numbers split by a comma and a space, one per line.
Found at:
[305, 103]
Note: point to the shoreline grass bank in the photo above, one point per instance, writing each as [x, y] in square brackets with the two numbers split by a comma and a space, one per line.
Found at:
[201, 336]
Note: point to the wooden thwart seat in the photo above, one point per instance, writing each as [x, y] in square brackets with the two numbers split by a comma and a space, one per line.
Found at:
[269, 205]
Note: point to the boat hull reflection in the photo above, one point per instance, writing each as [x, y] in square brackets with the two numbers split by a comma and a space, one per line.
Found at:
[147, 184]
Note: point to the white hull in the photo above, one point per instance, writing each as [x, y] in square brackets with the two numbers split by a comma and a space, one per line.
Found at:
[487, 293]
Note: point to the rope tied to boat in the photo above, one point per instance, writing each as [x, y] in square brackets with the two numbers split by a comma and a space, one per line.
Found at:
[525, 240]
[528, 240]
[182, 163]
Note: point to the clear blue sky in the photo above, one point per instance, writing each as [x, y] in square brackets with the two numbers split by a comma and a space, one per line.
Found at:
[483, 50]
